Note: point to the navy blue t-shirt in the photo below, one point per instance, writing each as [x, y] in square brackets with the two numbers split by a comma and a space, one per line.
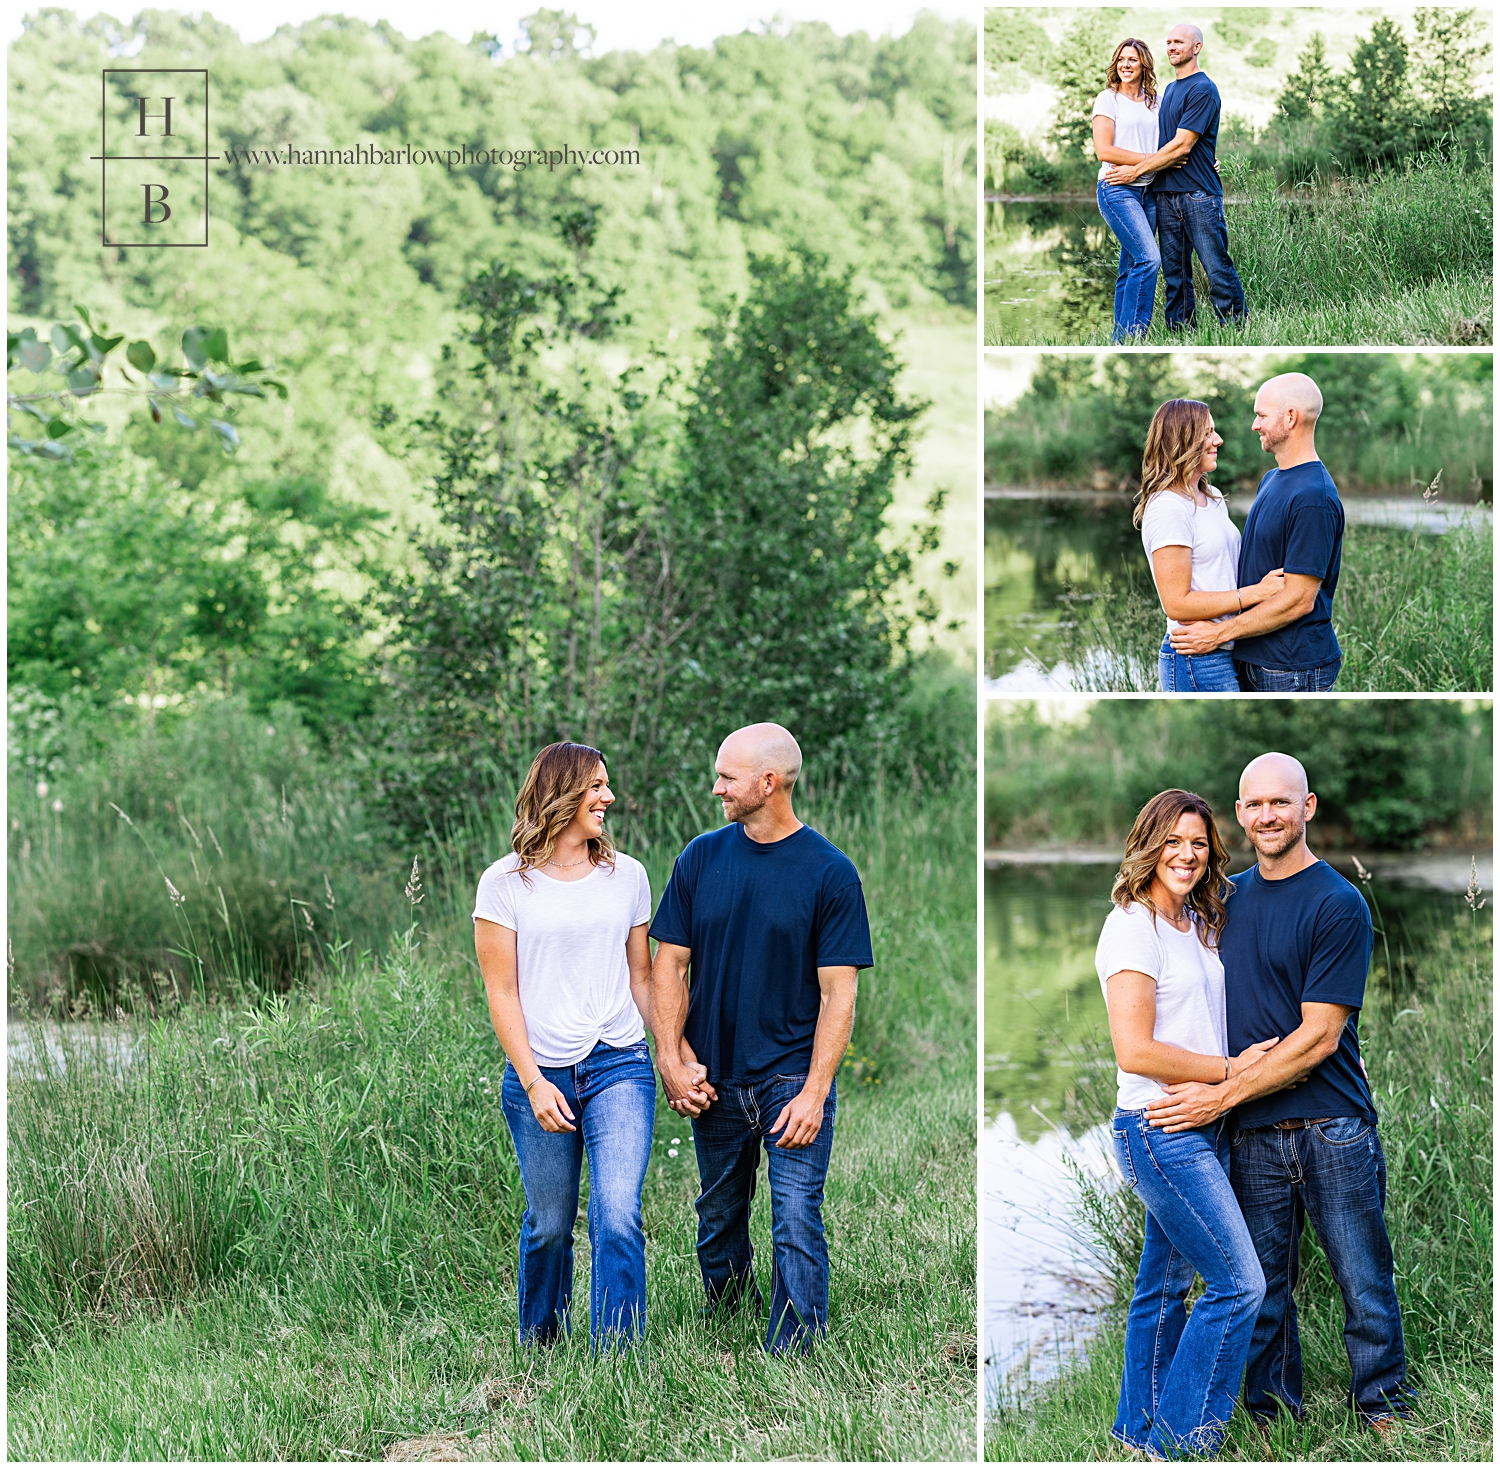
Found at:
[760, 919]
[1193, 103]
[1304, 938]
[1296, 522]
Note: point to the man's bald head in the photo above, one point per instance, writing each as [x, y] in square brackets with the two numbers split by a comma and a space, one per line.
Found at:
[764, 749]
[1274, 769]
[1290, 390]
[1187, 31]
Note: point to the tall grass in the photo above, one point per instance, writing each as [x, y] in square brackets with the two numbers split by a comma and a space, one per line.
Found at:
[1429, 1054]
[1401, 258]
[1413, 613]
[285, 1227]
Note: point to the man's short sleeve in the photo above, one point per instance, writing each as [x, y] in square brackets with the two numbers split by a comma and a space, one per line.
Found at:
[844, 929]
[674, 914]
[1312, 536]
[1201, 110]
[1340, 959]
[496, 898]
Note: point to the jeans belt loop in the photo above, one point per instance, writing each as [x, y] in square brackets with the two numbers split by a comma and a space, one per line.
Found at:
[1296, 1124]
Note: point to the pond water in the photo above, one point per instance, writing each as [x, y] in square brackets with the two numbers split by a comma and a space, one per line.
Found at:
[1042, 545]
[1049, 1084]
[1049, 272]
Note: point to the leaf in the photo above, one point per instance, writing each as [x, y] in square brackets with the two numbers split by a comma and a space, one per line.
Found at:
[82, 381]
[34, 356]
[226, 432]
[83, 312]
[280, 388]
[194, 347]
[140, 356]
[62, 339]
[101, 347]
[183, 419]
[217, 345]
[95, 427]
[253, 365]
[58, 427]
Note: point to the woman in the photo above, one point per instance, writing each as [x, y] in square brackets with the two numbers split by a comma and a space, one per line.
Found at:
[560, 930]
[1192, 544]
[1125, 131]
[1164, 988]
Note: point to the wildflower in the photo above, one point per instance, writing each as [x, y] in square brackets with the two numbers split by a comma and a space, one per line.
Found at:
[307, 918]
[671, 1152]
[1473, 891]
[1359, 867]
[41, 790]
[328, 888]
[675, 1141]
[175, 895]
[1432, 491]
[57, 804]
[414, 893]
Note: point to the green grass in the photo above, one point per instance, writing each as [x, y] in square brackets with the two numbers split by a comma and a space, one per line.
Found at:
[287, 1228]
[1396, 259]
[1413, 613]
[1429, 1056]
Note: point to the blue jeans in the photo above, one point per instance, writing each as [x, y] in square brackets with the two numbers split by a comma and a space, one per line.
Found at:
[1208, 673]
[1131, 214]
[612, 1095]
[1182, 1372]
[1257, 680]
[1334, 1173]
[1189, 223]
[727, 1138]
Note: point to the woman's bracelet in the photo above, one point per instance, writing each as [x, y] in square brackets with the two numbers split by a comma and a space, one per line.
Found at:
[538, 1077]
[1239, 597]
[1226, 1068]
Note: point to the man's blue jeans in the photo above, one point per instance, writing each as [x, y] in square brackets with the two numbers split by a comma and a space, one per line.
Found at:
[1332, 1172]
[1257, 680]
[1182, 1372]
[1131, 214]
[612, 1095]
[1189, 223]
[727, 1137]
[1207, 673]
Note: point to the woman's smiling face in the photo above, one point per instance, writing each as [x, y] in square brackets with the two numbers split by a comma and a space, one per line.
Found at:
[1210, 449]
[1129, 66]
[1184, 859]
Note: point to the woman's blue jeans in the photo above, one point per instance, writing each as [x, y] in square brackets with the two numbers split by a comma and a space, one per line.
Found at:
[1208, 673]
[1131, 214]
[1182, 1372]
[612, 1095]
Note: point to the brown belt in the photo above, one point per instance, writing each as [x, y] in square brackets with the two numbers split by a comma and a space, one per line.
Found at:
[1296, 1124]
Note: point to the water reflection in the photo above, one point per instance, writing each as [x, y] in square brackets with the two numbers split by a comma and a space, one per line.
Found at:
[1049, 272]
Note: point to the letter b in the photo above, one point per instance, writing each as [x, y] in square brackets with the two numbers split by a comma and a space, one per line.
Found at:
[158, 203]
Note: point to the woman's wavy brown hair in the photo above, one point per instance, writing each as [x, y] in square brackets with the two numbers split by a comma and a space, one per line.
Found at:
[1148, 840]
[1175, 441]
[555, 786]
[1148, 69]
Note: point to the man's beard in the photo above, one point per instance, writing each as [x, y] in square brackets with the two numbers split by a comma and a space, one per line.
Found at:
[1271, 442]
[736, 810]
[1278, 843]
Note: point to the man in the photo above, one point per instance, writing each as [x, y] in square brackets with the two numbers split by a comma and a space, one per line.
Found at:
[1185, 185]
[1286, 645]
[1296, 949]
[768, 919]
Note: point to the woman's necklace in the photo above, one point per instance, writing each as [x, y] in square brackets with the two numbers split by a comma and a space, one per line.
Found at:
[553, 862]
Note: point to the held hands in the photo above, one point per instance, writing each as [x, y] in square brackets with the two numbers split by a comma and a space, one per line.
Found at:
[802, 1118]
[688, 1089]
[1123, 173]
[1188, 1104]
[1193, 639]
[549, 1106]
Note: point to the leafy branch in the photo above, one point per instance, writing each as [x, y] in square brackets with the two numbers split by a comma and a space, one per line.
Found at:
[77, 356]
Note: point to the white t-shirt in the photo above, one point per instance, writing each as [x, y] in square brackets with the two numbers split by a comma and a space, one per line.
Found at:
[570, 952]
[1189, 988]
[1135, 128]
[1206, 530]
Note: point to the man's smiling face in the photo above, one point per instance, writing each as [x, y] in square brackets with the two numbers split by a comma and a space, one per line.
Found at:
[1182, 45]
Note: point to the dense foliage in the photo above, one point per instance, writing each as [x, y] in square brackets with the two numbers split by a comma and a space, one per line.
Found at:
[1388, 422]
[1392, 773]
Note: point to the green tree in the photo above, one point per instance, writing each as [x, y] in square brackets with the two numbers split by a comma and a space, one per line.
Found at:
[1308, 88]
[1078, 67]
[1371, 107]
[1449, 55]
